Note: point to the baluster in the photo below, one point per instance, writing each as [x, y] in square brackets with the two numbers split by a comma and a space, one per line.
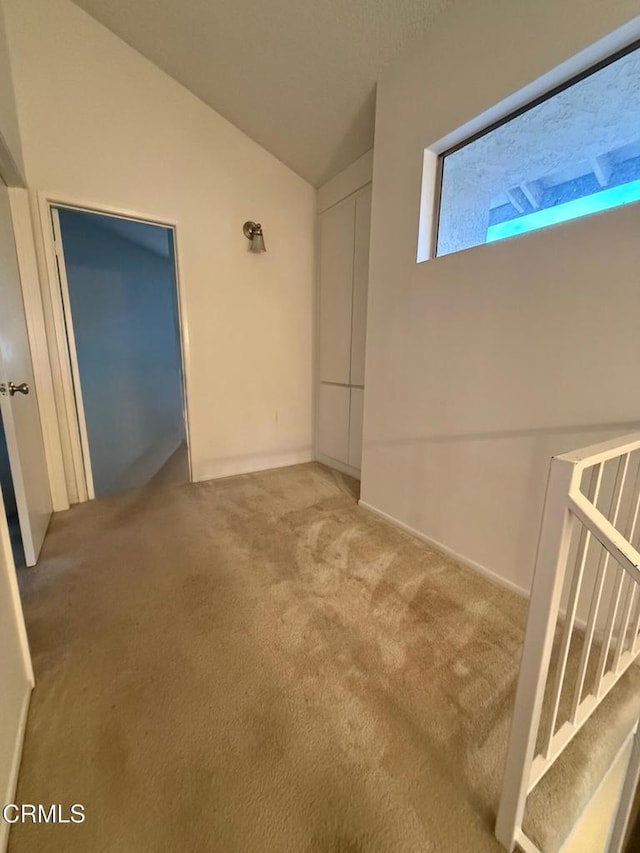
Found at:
[601, 574]
[593, 492]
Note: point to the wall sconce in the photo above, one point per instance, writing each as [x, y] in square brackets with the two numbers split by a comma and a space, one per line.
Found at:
[253, 232]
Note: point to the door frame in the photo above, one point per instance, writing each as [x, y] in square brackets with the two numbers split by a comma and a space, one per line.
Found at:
[71, 416]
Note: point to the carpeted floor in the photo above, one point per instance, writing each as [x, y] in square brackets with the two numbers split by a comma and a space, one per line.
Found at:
[256, 665]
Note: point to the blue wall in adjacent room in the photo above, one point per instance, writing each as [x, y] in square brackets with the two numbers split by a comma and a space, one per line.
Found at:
[122, 291]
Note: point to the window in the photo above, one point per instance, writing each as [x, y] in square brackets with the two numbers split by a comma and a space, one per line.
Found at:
[573, 153]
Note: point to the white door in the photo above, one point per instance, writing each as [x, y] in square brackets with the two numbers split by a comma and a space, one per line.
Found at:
[360, 287]
[356, 410]
[18, 399]
[16, 677]
[336, 291]
[333, 421]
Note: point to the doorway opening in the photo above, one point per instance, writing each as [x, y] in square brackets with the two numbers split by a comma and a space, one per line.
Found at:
[10, 504]
[119, 289]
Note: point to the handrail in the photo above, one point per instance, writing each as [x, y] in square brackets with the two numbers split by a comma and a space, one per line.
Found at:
[603, 451]
[570, 513]
[610, 538]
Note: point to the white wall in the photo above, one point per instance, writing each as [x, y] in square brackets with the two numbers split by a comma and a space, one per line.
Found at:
[101, 125]
[125, 319]
[9, 130]
[483, 364]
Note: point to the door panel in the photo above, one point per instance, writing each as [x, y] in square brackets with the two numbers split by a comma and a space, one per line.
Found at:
[355, 428]
[20, 413]
[336, 292]
[16, 677]
[360, 286]
[333, 422]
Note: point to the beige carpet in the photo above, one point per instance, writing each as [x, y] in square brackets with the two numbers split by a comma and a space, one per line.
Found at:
[257, 665]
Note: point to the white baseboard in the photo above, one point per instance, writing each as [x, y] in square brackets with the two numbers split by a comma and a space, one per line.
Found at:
[459, 558]
[217, 468]
[14, 770]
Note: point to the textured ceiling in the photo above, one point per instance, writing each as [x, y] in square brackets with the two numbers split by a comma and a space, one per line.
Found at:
[297, 76]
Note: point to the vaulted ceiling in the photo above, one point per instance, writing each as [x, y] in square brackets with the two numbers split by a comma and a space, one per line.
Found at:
[297, 76]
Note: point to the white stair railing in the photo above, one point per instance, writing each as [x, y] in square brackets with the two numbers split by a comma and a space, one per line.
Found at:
[586, 587]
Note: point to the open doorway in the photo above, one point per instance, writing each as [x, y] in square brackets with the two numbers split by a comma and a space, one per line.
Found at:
[10, 503]
[119, 293]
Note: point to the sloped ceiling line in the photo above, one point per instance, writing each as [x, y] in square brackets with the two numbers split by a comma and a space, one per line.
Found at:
[297, 76]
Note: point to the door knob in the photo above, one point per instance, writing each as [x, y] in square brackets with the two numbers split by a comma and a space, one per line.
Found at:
[12, 388]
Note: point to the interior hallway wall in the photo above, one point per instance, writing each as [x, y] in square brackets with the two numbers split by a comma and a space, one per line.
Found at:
[102, 125]
[9, 128]
[123, 302]
[483, 364]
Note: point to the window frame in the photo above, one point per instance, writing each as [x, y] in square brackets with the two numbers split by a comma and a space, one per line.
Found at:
[513, 114]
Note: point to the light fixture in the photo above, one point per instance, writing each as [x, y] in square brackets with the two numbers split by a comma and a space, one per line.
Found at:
[253, 232]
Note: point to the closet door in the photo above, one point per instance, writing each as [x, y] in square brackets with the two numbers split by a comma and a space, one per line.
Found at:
[333, 422]
[360, 283]
[337, 227]
[355, 427]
